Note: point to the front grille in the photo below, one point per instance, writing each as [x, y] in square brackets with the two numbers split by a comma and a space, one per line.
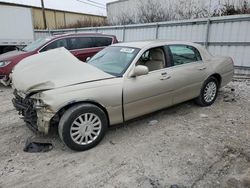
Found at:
[25, 107]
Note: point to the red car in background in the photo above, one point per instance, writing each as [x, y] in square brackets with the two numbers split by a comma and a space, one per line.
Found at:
[80, 45]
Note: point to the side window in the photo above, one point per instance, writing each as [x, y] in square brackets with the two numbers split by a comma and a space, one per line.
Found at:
[153, 58]
[102, 41]
[56, 44]
[183, 54]
[80, 43]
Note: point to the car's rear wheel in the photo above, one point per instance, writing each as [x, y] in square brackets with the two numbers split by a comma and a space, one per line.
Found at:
[209, 92]
[82, 126]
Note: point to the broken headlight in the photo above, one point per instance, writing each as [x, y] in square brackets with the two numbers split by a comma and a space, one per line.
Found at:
[38, 104]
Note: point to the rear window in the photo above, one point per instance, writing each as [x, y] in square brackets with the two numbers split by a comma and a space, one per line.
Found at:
[80, 43]
[88, 42]
[102, 41]
[183, 54]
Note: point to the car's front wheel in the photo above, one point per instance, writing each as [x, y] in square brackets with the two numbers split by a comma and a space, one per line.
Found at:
[82, 126]
[209, 92]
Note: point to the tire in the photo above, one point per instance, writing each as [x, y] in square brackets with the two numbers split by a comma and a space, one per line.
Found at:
[207, 97]
[76, 122]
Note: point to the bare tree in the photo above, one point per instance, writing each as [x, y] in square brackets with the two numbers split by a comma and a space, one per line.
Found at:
[191, 9]
[148, 11]
[244, 7]
[124, 19]
[84, 23]
[230, 8]
[153, 11]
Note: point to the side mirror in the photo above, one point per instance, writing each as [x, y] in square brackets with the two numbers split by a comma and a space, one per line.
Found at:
[140, 70]
[88, 58]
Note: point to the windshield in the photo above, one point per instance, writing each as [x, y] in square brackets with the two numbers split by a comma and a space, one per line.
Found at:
[36, 44]
[114, 59]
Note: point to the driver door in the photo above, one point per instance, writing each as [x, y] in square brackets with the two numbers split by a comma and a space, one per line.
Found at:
[151, 92]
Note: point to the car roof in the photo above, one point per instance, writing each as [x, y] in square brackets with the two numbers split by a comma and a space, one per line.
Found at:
[156, 43]
[79, 34]
[152, 43]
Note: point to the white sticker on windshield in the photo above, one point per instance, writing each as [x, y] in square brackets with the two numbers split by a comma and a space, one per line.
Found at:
[127, 50]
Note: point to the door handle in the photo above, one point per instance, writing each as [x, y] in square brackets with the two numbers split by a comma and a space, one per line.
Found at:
[165, 76]
[202, 68]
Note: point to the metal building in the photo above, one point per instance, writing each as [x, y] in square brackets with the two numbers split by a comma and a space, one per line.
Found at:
[59, 19]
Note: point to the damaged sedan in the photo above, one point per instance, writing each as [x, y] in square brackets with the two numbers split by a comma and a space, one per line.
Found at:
[121, 82]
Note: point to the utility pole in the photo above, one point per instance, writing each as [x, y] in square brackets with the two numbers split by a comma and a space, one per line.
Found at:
[44, 16]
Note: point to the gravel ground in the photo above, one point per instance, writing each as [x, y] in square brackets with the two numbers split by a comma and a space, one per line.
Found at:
[184, 145]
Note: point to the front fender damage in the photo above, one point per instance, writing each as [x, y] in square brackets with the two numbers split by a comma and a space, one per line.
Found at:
[44, 117]
[36, 116]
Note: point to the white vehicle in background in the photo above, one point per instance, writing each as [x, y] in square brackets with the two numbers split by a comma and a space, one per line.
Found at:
[16, 27]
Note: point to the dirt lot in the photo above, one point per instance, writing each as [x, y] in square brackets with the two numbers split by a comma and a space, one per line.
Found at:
[188, 146]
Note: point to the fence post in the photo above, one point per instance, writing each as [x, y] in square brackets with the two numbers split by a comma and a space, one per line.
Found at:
[50, 33]
[123, 33]
[156, 31]
[207, 33]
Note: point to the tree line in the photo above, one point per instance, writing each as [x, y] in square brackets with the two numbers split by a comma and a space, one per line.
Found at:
[149, 11]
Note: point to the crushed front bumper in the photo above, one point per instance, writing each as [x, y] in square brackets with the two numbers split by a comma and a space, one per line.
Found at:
[36, 119]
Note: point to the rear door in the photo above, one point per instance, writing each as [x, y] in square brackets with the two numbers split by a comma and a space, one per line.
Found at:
[187, 70]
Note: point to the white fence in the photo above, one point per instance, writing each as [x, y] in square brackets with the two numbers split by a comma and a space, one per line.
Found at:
[229, 36]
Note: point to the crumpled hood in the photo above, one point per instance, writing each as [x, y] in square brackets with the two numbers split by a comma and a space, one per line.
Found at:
[11, 54]
[53, 69]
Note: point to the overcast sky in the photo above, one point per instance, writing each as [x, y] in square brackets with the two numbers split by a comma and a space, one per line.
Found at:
[84, 6]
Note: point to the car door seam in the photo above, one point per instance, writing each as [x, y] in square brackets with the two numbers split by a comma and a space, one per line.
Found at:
[123, 114]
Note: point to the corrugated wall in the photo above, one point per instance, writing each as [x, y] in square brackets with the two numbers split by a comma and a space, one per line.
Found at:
[58, 19]
[50, 18]
[229, 36]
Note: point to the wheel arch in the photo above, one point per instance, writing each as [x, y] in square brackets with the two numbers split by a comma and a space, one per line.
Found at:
[61, 111]
[218, 77]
